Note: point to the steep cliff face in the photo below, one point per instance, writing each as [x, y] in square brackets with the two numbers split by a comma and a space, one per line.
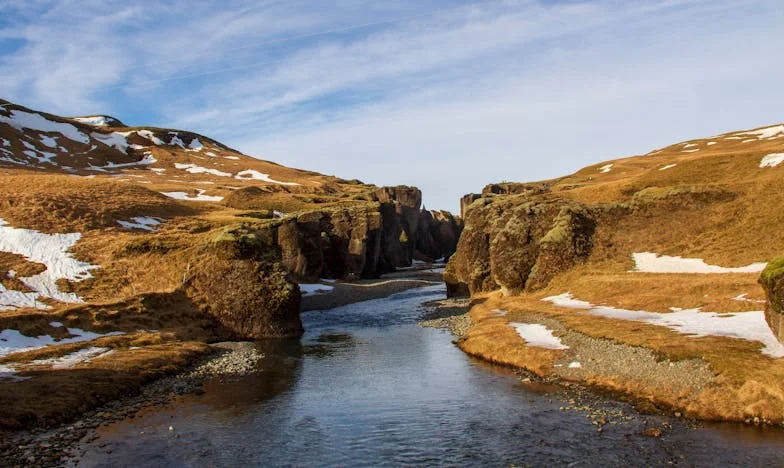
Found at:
[519, 244]
[772, 281]
[365, 240]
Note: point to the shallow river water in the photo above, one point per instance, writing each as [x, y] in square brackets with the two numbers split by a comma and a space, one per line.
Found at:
[366, 386]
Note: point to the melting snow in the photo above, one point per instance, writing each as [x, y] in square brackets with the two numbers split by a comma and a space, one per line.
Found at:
[20, 119]
[196, 145]
[668, 166]
[194, 169]
[251, 174]
[211, 154]
[158, 170]
[776, 131]
[772, 160]
[575, 365]
[648, 262]
[606, 168]
[750, 326]
[71, 360]
[150, 136]
[690, 150]
[231, 157]
[50, 250]
[711, 143]
[315, 289]
[538, 335]
[94, 121]
[199, 196]
[690, 145]
[140, 222]
[49, 141]
[175, 140]
[11, 341]
[115, 139]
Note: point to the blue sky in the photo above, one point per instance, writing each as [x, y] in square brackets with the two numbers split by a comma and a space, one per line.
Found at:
[445, 95]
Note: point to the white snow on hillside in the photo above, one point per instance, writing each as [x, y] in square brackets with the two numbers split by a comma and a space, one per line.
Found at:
[194, 169]
[648, 262]
[12, 341]
[200, 197]
[70, 361]
[606, 168]
[51, 142]
[11, 299]
[175, 140]
[150, 136]
[668, 166]
[315, 289]
[690, 150]
[146, 160]
[33, 121]
[94, 120]
[140, 222]
[767, 133]
[750, 326]
[689, 145]
[50, 250]
[119, 140]
[710, 143]
[251, 174]
[772, 160]
[195, 145]
[538, 335]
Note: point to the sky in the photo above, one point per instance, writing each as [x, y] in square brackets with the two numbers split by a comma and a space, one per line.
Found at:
[445, 95]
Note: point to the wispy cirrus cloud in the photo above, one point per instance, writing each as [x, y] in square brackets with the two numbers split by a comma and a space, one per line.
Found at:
[445, 95]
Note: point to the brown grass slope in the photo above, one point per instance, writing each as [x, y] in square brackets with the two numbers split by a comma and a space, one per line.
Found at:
[706, 198]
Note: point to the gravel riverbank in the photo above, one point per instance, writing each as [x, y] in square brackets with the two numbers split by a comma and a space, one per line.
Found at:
[56, 447]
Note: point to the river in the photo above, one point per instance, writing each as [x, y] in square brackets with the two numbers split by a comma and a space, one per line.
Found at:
[367, 386]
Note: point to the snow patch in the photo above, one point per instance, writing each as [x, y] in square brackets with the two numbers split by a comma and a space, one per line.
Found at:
[196, 145]
[710, 143]
[50, 250]
[668, 166]
[567, 300]
[194, 169]
[51, 142]
[750, 326]
[150, 136]
[538, 335]
[70, 361]
[12, 341]
[690, 150]
[574, 365]
[772, 160]
[115, 139]
[33, 121]
[251, 174]
[199, 196]
[648, 262]
[140, 222]
[767, 133]
[606, 168]
[95, 120]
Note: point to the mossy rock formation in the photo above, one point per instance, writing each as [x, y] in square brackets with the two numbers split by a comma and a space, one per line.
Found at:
[772, 281]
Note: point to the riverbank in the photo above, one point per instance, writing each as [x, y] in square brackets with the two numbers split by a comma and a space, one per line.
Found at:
[223, 361]
[661, 371]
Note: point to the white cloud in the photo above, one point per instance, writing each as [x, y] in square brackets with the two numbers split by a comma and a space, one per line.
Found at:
[446, 96]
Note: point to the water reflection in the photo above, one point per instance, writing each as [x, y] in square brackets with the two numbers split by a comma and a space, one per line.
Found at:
[366, 386]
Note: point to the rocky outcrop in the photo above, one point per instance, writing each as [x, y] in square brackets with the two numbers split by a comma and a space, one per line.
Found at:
[437, 235]
[236, 281]
[335, 243]
[772, 281]
[518, 245]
